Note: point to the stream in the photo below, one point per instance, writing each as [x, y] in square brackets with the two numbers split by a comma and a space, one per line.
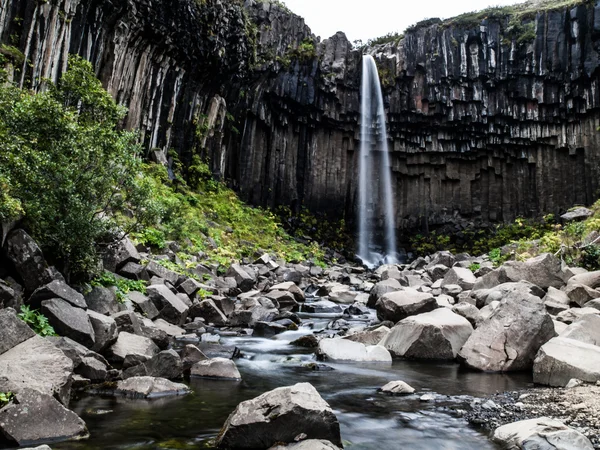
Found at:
[368, 420]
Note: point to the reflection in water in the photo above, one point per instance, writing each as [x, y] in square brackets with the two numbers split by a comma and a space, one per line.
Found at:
[368, 420]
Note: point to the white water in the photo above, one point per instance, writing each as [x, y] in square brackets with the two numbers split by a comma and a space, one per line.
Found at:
[375, 186]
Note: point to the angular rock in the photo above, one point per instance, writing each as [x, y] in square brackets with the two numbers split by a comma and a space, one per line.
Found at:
[169, 329]
[469, 312]
[13, 330]
[586, 329]
[573, 314]
[577, 214]
[279, 416]
[309, 444]
[37, 364]
[460, 276]
[134, 349]
[373, 337]
[345, 350]
[580, 294]
[103, 300]
[67, 320]
[36, 417]
[143, 304]
[382, 288]
[86, 363]
[322, 307]
[284, 299]
[542, 433]
[243, 280]
[397, 388]
[134, 271]
[249, 317]
[290, 287]
[149, 387]
[191, 355]
[190, 286]
[57, 289]
[307, 341]
[120, 253]
[105, 330]
[166, 364]
[509, 339]
[396, 306]
[220, 368]
[561, 359]
[127, 321]
[170, 307]
[590, 279]
[438, 334]
[208, 310]
[156, 270]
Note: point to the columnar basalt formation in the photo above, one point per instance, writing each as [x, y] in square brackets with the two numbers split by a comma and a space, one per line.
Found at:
[485, 125]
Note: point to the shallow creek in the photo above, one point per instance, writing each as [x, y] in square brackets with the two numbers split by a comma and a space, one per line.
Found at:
[368, 420]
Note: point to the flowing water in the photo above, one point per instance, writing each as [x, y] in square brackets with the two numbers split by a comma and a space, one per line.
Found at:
[368, 420]
[375, 193]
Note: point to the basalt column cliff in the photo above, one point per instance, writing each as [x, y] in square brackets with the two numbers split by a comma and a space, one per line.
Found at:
[489, 118]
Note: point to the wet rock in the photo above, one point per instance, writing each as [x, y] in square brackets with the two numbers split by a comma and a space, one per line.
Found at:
[561, 359]
[130, 350]
[268, 329]
[510, 338]
[542, 433]
[57, 289]
[279, 416]
[357, 309]
[396, 306]
[191, 355]
[308, 341]
[284, 299]
[165, 364]
[149, 387]
[36, 417]
[170, 307]
[221, 368]
[249, 317]
[345, 350]
[397, 388]
[37, 364]
[67, 320]
[13, 330]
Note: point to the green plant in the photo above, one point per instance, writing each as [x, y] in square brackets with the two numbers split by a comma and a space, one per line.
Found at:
[474, 267]
[124, 286]
[6, 398]
[37, 321]
[590, 257]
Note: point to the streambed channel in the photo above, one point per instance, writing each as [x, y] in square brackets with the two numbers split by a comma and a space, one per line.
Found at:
[369, 420]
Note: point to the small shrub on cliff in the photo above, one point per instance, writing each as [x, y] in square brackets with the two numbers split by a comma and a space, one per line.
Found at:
[37, 321]
[5, 398]
[124, 286]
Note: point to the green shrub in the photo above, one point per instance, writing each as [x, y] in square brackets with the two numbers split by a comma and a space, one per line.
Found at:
[474, 267]
[6, 398]
[37, 321]
[124, 286]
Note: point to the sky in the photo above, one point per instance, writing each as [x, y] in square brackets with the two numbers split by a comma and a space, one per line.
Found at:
[366, 19]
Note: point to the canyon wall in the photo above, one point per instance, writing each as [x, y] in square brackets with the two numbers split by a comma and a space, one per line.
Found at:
[485, 124]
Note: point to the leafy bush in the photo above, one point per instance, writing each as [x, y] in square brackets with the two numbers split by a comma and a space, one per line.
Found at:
[6, 398]
[124, 286]
[474, 267]
[37, 321]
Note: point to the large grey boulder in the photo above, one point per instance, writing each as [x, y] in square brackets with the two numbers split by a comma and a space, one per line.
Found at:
[345, 350]
[105, 330]
[128, 321]
[561, 359]
[149, 387]
[279, 416]
[372, 337]
[590, 279]
[37, 364]
[519, 290]
[209, 311]
[438, 334]
[242, 278]
[220, 368]
[322, 307]
[120, 253]
[460, 276]
[68, 320]
[166, 364]
[382, 288]
[130, 350]
[397, 388]
[395, 306]
[285, 300]
[13, 330]
[156, 270]
[580, 294]
[36, 417]
[86, 363]
[586, 329]
[170, 307]
[292, 288]
[579, 213]
[573, 314]
[469, 312]
[510, 338]
[542, 433]
[103, 300]
[57, 289]
[143, 304]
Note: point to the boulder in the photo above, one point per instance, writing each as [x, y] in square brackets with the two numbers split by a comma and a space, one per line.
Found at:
[149, 387]
[520, 290]
[130, 350]
[580, 213]
[279, 416]
[191, 355]
[243, 279]
[120, 253]
[573, 314]
[510, 338]
[170, 329]
[67, 320]
[220, 368]
[561, 359]
[165, 364]
[382, 288]
[542, 433]
[170, 307]
[134, 271]
[397, 388]
[469, 312]
[208, 310]
[27, 258]
[290, 287]
[103, 300]
[343, 294]
[586, 329]
[37, 364]
[580, 294]
[309, 444]
[460, 276]
[345, 350]
[357, 309]
[322, 307]
[57, 289]
[105, 330]
[156, 270]
[128, 321]
[373, 337]
[143, 304]
[249, 317]
[442, 257]
[395, 306]
[269, 329]
[86, 363]
[13, 330]
[36, 417]
[284, 299]
[590, 279]
[438, 334]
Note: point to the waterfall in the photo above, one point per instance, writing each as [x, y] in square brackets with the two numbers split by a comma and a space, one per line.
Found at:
[374, 185]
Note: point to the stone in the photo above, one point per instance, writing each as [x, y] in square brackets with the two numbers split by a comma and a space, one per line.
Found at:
[190, 287]
[170, 329]
[395, 306]
[27, 258]
[13, 330]
[580, 213]
[586, 329]
[469, 312]
[120, 253]
[521, 290]
[243, 280]
[103, 300]
[343, 295]
[290, 287]
[249, 317]
[67, 320]
[268, 329]
[322, 307]
[382, 288]
[128, 321]
[573, 314]
[170, 307]
[590, 279]
[397, 388]
[307, 341]
[86, 363]
[105, 330]
[443, 257]
[581, 294]
[373, 337]
[279, 416]
[308, 444]
[284, 299]
[460, 276]
[57, 289]
[208, 310]
[191, 355]
[165, 364]
[131, 348]
[439, 334]
[134, 271]
[357, 309]
[220, 368]
[156, 270]
[37, 364]
[36, 417]
[542, 433]
[346, 350]
[143, 304]
[510, 338]
[561, 359]
[149, 387]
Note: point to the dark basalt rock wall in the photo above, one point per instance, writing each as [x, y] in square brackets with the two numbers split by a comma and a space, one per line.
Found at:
[484, 126]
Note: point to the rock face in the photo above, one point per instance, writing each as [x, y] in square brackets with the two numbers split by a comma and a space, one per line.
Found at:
[480, 120]
[543, 434]
[439, 334]
[510, 338]
[280, 416]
